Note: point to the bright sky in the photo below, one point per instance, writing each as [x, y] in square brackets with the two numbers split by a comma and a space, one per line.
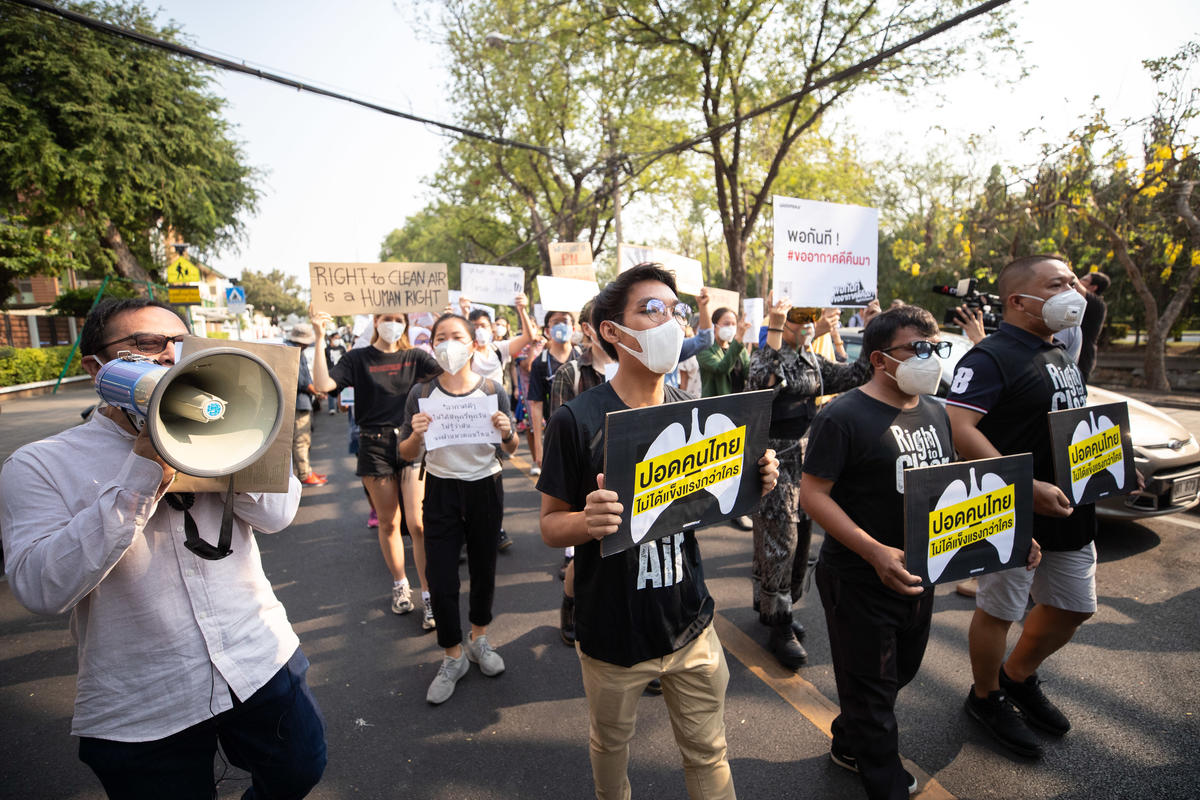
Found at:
[339, 178]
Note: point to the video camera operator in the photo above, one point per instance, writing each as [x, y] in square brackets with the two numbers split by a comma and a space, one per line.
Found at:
[177, 652]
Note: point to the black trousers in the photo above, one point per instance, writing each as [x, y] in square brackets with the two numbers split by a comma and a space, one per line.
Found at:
[456, 512]
[877, 639]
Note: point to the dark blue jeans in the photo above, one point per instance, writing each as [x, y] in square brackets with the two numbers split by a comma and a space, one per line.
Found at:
[277, 735]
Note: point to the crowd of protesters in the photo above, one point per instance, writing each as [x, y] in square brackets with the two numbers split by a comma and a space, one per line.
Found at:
[832, 455]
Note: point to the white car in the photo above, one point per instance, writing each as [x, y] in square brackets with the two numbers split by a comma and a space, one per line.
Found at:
[1166, 454]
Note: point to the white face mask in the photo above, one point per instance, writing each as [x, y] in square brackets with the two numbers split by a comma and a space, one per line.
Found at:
[1063, 310]
[390, 332]
[726, 332]
[483, 336]
[577, 337]
[918, 375]
[660, 346]
[452, 355]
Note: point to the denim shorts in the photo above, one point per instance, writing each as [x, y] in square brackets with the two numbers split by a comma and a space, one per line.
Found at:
[378, 456]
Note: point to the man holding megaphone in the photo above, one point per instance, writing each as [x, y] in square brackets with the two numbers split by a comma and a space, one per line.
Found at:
[181, 644]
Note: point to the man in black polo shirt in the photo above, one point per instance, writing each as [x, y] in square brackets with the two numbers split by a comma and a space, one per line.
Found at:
[644, 613]
[1002, 391]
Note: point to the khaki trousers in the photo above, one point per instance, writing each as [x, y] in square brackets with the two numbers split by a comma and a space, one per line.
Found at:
[301, 442]
[693, 682]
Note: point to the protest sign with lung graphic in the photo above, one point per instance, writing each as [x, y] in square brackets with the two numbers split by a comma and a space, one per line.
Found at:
[1093, 452]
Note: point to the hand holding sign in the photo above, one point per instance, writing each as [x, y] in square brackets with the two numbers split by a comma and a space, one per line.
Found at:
[458, 420]
[602, 511]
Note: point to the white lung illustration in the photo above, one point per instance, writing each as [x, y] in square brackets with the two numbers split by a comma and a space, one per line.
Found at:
[957, 492]
[673, 437]
[1082, 432]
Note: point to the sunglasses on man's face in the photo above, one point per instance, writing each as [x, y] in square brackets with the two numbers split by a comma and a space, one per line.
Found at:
[923, 349]
[148, 344]
[803, 316]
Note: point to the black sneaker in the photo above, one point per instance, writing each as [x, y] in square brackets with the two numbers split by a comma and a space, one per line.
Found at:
[847, 761]
[654, 687]
[503, 543]
[1028, 696]
[786, 648]
[1000, 718]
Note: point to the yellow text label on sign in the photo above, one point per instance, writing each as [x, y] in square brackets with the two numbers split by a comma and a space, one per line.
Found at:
[971, 520]
[183, 271]
[1095, 446]
[688, 460]
[395, 287]
[184, 295]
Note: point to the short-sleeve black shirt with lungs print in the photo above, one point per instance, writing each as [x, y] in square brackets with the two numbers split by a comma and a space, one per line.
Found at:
[1015, 379]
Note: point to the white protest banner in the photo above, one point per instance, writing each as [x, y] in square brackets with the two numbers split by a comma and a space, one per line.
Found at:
[539, 314]
[565, 294]
[689, 277]
[490, 283]
[456, 296]
[721, 298]
[567, 254]
[826, 254]
[459, 420]
[752, 307]
[390, 287]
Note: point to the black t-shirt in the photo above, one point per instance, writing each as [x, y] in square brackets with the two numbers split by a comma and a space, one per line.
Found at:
[864, 445]
[647, 601]
[541, 372]
[381, 382]
[1014, 379]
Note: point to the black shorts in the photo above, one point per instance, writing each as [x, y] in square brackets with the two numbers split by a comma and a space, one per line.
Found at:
[378, 455]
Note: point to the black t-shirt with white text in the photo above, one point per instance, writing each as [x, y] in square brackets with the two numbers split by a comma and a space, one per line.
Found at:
[647, 601]
[864, 445]
[381, 382]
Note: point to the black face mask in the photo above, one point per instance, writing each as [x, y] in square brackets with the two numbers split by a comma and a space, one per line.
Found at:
[182, 501]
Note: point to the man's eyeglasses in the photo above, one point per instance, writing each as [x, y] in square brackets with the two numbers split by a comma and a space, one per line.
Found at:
[660, 312]
[148, 344]
[803, 316]
[923, 348]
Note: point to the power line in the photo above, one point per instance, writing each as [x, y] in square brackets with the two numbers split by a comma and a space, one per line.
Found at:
[233, 66]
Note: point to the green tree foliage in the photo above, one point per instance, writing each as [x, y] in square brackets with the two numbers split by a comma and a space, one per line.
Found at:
[105, 146]
[274, 293]
[734, 56]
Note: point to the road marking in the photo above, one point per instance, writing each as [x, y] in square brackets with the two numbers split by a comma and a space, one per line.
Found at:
[802, 695]
[1180, 519]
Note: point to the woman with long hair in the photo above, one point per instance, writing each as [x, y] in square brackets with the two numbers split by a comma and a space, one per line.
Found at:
[382, 375]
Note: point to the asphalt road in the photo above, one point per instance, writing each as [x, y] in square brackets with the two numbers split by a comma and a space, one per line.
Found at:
[1128, 681]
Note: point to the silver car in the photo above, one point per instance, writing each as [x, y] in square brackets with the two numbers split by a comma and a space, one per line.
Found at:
[1166, 454]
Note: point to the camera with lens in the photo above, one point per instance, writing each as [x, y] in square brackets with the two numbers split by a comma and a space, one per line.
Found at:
[968, 295]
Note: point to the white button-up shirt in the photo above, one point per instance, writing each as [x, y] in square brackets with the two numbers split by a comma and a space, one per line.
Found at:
[163, 634]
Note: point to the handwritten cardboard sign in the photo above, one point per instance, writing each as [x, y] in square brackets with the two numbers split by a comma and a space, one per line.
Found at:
[753, 308]
[826, 254]
[459, 420]
[689, 276]
[389, 287]
[578, 272]
[569, 254]
[490, 283]
[722, 298]
[565, 294]
[681, 466]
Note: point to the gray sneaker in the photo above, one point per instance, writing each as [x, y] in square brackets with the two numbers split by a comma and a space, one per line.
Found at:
[489, 661]
[402, 599]
[448, 674]
[427, 621]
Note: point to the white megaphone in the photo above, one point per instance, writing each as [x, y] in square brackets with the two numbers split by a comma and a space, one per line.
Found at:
[211, 414]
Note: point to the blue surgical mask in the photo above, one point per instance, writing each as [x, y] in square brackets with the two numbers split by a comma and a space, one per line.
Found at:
[560, 332]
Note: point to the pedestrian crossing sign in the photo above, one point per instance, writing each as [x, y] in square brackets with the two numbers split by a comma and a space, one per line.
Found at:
[183, 271]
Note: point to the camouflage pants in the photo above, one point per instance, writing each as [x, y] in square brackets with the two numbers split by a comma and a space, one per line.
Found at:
[782, 540]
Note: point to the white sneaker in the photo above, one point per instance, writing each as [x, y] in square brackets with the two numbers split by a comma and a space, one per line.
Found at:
[402, 599]
[427, 621]
[535, 471]
[448, 674]
[489, 661]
